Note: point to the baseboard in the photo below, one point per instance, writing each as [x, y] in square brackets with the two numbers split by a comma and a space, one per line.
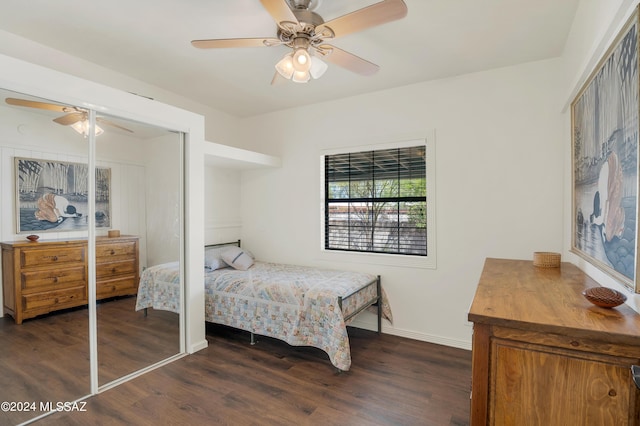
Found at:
[430, 338]
[198, 346]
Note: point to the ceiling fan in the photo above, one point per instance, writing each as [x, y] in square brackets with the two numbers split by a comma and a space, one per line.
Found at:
[305, 32]
[77, 118]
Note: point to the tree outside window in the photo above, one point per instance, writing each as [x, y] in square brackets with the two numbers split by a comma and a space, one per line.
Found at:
[375, 201]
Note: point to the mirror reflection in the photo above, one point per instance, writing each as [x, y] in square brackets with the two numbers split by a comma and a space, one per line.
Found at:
[140, 204]
[44, 329]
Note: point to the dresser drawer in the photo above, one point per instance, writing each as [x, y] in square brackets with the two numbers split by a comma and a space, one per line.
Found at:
[113, 269]
[58, 277]
[39, 278]
[52, 256]
[57, 299]
[120, 287]
[107, 251]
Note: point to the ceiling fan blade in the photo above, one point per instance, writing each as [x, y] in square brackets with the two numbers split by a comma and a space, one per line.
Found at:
[367, 17]
[347, 60]
[234, 42]
[279, 10]
[69, 119]
[112, 124]
[277, 79]
[34, 104]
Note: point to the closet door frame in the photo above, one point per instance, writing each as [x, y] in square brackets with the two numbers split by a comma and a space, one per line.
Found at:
[23, 77]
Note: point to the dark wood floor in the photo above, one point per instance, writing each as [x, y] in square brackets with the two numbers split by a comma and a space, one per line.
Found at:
[41, 359]
[392, 381]
[47, 358]
[128, 340]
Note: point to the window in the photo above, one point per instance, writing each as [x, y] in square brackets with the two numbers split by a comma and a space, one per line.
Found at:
[376, 201]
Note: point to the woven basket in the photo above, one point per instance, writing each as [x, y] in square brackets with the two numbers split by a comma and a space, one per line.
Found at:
[545, 259]
[604, 297]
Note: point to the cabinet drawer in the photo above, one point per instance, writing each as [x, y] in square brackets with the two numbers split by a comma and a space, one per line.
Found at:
[104, 252]
[582, 344]
[57, 299]
[112, 269]
[119, 287]
[33, 280]
[52, 256]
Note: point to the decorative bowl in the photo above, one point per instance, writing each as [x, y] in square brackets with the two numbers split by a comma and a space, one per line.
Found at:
[604, 297]
[32, 237]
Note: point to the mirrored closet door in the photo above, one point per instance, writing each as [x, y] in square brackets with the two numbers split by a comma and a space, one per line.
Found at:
[44, 331]
[102, 232]
[139, 191]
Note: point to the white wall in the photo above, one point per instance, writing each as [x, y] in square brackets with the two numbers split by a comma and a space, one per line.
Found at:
[222, 220]
[499, 171]
[163, 183]
[596, 25]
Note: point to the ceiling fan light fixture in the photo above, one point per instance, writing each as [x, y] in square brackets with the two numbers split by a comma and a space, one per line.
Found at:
[301, 77]
[300, 28]
[318, 67]
[301, 60]
[285, 66]
[82, 127]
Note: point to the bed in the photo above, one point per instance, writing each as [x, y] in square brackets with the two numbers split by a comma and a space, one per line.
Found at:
[300, 305]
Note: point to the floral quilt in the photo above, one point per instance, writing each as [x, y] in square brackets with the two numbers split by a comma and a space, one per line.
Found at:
[296, 304]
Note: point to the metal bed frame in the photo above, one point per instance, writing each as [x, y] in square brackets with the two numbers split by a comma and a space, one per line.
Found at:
[376, 300]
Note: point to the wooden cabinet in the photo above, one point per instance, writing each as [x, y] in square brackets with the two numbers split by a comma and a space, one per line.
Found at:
[42, 277]
[543, 355]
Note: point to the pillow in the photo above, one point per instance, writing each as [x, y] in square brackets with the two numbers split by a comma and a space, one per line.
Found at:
[213, 258]
[237, 258]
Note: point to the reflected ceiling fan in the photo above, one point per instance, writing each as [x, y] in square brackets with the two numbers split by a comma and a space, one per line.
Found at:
[75, 117]
[306, 33]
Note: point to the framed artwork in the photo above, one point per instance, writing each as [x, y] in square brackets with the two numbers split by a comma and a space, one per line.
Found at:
[52, 196]
[605, 161]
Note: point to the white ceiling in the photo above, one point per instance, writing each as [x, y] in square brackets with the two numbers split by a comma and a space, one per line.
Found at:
[150, 40]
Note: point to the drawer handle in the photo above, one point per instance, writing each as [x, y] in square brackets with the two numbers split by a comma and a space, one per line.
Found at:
[575, 343]
[113, 270]
[54, 258]
[113, 252]
[55, 279]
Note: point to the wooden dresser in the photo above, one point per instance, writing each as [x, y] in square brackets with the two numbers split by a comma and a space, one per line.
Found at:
[544, 355]
[45, 276]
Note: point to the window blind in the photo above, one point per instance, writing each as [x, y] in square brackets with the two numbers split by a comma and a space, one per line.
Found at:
[375, 201]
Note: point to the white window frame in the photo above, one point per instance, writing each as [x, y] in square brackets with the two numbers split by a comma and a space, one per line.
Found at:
[412, 261]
